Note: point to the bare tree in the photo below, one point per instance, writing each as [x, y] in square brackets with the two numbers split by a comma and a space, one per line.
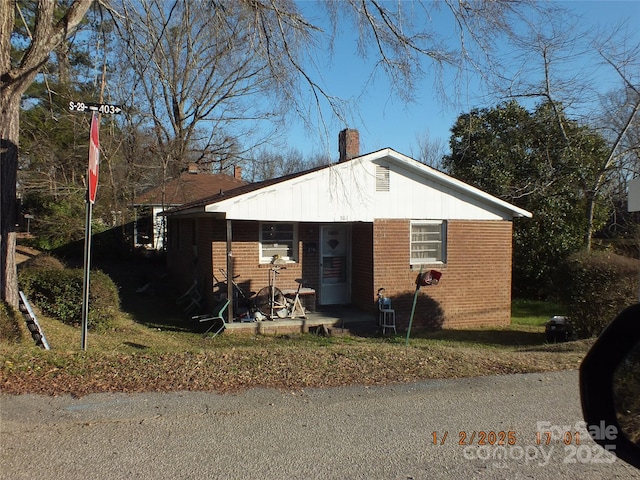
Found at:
[208, 72]
[430, 151]
[204, 74]
[272, 163]
[620, 121]
[547, 58]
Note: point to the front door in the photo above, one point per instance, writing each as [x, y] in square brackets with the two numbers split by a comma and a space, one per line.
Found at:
[335, 262]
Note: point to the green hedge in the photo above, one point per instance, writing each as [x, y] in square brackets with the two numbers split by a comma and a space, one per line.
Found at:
[595, 287]
[9, 324]
[58, 294]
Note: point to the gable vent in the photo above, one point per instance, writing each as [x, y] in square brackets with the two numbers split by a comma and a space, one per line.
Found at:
[382, 178]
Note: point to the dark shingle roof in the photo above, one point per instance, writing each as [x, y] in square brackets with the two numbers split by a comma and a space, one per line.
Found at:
[187, 188]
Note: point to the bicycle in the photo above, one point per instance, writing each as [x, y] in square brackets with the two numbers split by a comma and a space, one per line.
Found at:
[270, 301]
[243, 305]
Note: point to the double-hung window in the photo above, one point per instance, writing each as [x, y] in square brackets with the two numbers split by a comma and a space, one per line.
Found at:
[428, 241]
[278, 239]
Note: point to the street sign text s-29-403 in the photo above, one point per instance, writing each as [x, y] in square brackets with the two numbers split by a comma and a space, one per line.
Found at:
[103, 108]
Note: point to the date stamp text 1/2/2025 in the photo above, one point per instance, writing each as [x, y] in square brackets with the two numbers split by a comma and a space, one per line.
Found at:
[503, 446]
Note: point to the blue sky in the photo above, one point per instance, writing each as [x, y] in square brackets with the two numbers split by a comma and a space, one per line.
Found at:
[384, 120]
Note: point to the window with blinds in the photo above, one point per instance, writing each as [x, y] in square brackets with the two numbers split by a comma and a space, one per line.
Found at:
[278, 239]
[428, 242]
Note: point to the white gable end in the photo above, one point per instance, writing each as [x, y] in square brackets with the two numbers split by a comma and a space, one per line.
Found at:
[414, 196]
[340, 193]
[416, 191]
[346, 192]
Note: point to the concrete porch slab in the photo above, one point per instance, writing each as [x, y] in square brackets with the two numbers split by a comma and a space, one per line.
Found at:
[336, 319]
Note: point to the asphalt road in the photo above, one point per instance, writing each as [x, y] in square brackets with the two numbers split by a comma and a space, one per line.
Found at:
[507, 427]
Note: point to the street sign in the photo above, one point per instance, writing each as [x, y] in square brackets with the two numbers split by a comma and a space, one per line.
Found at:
[92, 186]
[103, 108]
[94, 157]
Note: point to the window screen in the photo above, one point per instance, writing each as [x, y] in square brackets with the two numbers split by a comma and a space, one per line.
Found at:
[428, 242]
[277, 239]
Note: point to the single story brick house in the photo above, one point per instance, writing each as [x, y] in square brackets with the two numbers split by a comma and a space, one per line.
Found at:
[352, 227]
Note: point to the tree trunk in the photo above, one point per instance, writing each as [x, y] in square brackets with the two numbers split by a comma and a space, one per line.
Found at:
[50, 30]
[9, 131]
[591, 206]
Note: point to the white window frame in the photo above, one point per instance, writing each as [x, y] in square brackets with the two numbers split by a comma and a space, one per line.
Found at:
[439, 241]
[292, 256]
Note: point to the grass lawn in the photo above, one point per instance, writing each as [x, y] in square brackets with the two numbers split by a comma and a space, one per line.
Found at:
[154, 348]
[533, 312]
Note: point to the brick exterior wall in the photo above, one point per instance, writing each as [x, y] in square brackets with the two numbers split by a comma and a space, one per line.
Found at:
[475, 289]
[251, 275]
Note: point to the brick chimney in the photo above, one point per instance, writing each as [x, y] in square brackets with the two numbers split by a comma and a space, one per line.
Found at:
[348, 144]
[193, 168]
[237, 172]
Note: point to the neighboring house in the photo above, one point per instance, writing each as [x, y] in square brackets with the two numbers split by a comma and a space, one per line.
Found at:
[349, 228]
[150, 227]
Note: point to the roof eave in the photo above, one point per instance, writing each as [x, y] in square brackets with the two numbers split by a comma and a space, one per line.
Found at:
[450, 181]
[198, 210]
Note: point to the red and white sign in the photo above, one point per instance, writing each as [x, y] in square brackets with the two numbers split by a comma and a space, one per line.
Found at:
[94, 157]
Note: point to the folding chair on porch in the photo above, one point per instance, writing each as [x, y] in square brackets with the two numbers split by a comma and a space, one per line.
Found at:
[217, 317]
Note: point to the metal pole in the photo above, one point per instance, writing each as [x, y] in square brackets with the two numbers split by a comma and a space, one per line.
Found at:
[413, 309]
[85, 282]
